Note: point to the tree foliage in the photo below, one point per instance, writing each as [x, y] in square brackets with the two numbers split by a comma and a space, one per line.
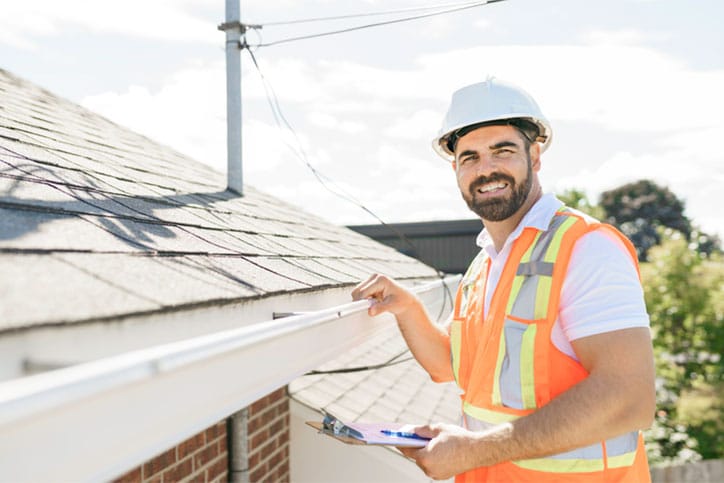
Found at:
[577, 199]
[683, 280]
[639, 208]
[684, 293]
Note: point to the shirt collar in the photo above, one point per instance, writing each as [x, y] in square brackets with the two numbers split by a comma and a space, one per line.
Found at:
[538, 217]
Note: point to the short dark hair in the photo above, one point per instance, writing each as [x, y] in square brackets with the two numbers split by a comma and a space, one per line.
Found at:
[528, 129]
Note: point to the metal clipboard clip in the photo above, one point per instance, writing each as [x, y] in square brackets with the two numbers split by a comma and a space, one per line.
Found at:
[331, 424]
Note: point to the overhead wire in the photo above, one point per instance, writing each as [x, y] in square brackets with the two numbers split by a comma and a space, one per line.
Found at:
[301, 154]
[369, 14]
[459, 8]
[346, 370]
[299, 151]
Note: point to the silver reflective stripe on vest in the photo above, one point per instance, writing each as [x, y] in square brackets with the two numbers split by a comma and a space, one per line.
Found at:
[532, 270]
[474, 424]
[535, 268]
[530, 295]
[524, 305]
[546, 238]
[510, 386]
[620, 451]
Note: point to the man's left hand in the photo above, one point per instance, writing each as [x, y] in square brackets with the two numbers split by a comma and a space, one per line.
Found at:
[451, 450]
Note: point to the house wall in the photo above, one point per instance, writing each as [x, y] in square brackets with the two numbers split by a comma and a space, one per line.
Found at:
[316, 458]
[204, 457]
[268, 433]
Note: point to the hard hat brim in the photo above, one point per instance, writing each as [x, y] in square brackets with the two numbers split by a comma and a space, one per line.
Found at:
[440, 142]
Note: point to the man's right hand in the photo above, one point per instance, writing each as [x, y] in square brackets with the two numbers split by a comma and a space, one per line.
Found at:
[386, 296]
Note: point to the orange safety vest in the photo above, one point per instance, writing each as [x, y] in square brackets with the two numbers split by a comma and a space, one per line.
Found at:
[508, 367]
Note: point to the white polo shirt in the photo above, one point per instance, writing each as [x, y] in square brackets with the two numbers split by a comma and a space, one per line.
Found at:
[601, 292]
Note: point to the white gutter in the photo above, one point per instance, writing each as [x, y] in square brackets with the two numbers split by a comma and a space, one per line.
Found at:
[96, 420]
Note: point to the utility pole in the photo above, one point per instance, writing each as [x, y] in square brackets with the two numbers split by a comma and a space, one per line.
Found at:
[234, 30]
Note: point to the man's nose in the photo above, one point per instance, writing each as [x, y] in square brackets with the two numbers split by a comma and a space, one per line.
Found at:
[486, 165]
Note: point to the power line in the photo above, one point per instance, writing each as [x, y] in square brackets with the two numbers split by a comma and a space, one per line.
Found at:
[345, 370]
[369, 14]
[279, 118]
[324, 180]
[378, 24]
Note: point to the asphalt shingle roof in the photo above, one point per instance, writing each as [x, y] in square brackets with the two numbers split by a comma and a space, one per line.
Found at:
[400, 392]
[97, 222]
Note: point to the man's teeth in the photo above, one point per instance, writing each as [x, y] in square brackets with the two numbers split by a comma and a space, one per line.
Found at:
[492, 187]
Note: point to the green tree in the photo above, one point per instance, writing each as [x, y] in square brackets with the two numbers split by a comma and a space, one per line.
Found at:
[683, 283]
[684, 293]
[639, 208]
[577, 199]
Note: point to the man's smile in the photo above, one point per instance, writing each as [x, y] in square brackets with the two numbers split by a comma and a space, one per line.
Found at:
[492, 187]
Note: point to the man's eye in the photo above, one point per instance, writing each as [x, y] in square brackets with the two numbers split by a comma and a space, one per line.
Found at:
[504, 152]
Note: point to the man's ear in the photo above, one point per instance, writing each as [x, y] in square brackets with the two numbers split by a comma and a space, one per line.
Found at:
[454, 165]
[535, 156]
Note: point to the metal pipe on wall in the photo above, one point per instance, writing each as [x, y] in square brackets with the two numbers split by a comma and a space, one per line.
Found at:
[233, 29]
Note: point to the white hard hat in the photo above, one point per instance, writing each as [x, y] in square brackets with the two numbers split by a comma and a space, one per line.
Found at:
[490, 102]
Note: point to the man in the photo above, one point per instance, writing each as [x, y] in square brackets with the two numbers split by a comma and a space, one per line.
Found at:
[549, 337]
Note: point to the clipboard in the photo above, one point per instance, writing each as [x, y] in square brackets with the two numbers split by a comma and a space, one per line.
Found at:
[367, 433]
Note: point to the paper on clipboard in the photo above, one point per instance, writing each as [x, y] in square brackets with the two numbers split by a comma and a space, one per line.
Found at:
[367, 433]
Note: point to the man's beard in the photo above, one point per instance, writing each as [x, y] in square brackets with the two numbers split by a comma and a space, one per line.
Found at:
[499, 209]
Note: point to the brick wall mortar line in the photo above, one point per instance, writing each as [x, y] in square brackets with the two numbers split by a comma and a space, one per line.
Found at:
[211, 463]
[279, 449]
[268, 425]
[271, 471]
[270, 407]
[216, 441]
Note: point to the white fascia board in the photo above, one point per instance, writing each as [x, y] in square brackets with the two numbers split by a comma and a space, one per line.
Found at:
[94, 421]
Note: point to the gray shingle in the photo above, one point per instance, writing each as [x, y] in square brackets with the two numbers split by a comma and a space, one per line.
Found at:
[101, 222]
[401, 392]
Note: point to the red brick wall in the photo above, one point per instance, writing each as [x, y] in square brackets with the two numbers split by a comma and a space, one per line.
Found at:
[268, 430]
[202, 457]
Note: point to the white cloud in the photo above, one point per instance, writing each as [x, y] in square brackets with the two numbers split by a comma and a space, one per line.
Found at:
[330, 122]
[619, 37]
[695, 179]
[23, 23]
[384, 118]
[623, 87]
[417, 126]
[482, 23]
[187, 113]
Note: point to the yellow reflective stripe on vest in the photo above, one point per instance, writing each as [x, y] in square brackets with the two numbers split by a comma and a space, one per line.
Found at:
[518, 279]
[527, 369]
[621, 451]
[527, 305]
[561, 466]
[622, 461]
[555, 244]
[488, 416]
[455, 338]
[497, 399]
[542, 296]
[514, 291]
[514, 377]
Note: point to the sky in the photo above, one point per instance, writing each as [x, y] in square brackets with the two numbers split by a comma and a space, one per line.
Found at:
[632, 88]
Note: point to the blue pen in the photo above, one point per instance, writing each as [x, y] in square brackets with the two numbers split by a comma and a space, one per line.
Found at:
[403, 434]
